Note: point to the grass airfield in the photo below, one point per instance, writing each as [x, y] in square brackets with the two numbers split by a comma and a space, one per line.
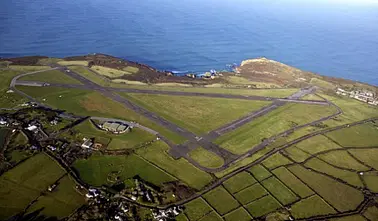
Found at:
[327, 174]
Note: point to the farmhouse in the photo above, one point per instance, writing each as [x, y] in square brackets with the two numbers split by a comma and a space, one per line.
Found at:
[87, 143]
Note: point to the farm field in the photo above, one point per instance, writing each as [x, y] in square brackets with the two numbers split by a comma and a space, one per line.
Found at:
[99, 169]
[218, 197]
[53, 76]
[365, 135]
[181, 168]
[317, 144]
[275, 122]
[342, 158]
[275, 161]
[239, 214]
[263, 206]
[371, 180]
[339, 195]
[206, 158]
[197, 114]
[211, 217]
[134, 138]
[88, 103]
[348, 176]
[368, 156]
[297, 186]
[251, 193]
[239, 182]
[259, 172]
[26, 182]
[109, 72]
[197, 209]
[279, 191]
[312, 206]
[25, 68]
[297, 154]
[61, 202]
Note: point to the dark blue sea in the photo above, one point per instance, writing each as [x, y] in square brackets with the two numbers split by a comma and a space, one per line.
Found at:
[334, 37]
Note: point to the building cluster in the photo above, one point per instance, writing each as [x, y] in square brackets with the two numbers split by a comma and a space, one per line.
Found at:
[115, 127]
[361, 95]
[168, 214]
[144, 193]
[207, 75]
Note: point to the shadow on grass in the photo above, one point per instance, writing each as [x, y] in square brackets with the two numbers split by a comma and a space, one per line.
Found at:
[33, 216]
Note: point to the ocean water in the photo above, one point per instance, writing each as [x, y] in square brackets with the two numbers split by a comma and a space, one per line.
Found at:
[335, 38]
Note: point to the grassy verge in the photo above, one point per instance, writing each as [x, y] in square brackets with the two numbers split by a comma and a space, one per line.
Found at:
[240, 140]
[53, 76]
[206, 158]
[67, 63]
[197, 114]
[218, 198]
[8, 100]
[25, 68]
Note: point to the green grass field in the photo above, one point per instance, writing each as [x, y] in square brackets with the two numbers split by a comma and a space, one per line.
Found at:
[276, 160]
[221, 200]
[132, 139]
[181, 168]
[371, 180]
[239, 214]
[197, 114]
[297, 186]
[19, 155]
[67, 63]
[206, 158]
[98, 168]
[342, 159]
[275, 122]
[25, 68]
[109, 72]
[213, 216]
[259, 172]
[196, 209]
[349, 177]
[250, 194]
[350, 218]
[339, 195]
[88, 103]
[371, 213]
[368, 156]
[61, 202]
[181, 217]
[312, 206]
[297, 154]
[353, 110]
[8, 100]
[24, 183]
[317, 144]
[239, 182]
[263, 206]
[312, 97]
[53, 76]
[279, 190]
[364, 135]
